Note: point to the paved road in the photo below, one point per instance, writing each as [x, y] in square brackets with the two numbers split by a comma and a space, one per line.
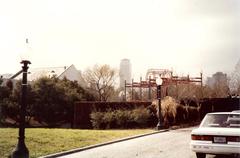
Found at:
[172, 144]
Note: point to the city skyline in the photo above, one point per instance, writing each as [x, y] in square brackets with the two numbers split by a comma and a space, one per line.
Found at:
[188, 37]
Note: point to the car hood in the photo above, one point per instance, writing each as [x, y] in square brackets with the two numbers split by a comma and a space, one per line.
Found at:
[217, 131]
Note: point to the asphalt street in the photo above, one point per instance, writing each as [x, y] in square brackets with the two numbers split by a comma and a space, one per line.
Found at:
[171, 144]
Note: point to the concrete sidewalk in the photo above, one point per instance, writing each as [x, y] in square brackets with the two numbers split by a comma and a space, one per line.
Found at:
[99, 145]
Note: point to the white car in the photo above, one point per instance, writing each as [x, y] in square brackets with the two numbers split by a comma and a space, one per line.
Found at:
[218, 133]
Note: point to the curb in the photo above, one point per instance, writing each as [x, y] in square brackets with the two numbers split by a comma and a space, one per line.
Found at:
[101, 144]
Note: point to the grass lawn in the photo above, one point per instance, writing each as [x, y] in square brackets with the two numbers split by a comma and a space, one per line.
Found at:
[42, 141]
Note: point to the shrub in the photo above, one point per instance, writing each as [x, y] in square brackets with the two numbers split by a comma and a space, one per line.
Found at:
[124, 118]
[109, 119]
[169, 108]
[153, 119]
[193, 113]
[120, 118]
[141, 116]
[97, 120]
[181, 116]
[175, 113]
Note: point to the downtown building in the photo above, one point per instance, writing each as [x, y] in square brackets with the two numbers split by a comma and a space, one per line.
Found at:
[125, 72]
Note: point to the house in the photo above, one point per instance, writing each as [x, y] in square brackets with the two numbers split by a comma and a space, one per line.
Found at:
[70, 72]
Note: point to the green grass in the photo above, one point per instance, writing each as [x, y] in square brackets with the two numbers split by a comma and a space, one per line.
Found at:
[42, 141]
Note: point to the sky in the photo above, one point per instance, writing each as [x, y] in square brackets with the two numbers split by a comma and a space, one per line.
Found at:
[187, 36]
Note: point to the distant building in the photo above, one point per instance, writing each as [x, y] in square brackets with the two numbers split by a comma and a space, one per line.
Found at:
[217, 78]
[125, 72]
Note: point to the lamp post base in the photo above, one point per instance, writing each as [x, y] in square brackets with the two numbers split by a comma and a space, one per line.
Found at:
[159, 126]
[20, 151]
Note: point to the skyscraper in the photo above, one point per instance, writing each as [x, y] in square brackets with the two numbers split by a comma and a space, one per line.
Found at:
[125, 72]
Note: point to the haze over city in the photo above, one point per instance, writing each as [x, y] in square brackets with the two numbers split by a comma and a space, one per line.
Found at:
[187, 36]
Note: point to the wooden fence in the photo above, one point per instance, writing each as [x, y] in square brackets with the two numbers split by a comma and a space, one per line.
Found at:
[219, 105]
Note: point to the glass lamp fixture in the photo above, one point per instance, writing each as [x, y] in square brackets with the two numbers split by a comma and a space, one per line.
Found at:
[159, 81]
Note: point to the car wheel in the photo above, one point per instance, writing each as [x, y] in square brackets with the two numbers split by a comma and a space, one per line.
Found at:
[200, 155]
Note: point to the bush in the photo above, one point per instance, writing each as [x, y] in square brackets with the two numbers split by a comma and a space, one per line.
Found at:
[169, 108]
[193, 113]
[123, 118]
[175, 113]
[181, 116]
[97, 120]
[120, 118]
[141, 116]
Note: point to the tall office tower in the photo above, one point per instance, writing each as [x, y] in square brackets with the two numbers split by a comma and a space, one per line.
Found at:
[125, 72]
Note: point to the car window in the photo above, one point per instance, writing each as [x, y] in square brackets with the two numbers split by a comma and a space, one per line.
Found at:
[221, 120]
[234, 121]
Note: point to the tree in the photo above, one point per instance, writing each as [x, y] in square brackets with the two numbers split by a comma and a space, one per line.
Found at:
[12, 104]
[4, 95]
[101, 81]
[49, 100]
[55, 98]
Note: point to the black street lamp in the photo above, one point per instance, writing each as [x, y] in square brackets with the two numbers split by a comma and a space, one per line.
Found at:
[159, 84]
[21, 150]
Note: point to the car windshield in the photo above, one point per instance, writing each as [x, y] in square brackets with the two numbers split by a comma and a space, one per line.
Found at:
[221, 120]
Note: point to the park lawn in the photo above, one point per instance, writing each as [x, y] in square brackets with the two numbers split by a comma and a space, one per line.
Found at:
[44, 141]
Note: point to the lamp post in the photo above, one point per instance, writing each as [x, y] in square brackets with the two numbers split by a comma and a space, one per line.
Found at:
[21, 150]
[159, 84]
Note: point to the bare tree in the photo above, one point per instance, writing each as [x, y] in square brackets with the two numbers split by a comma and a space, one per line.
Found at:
[181, 91]
[101, 81]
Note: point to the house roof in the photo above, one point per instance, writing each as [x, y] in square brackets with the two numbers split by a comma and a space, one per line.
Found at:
[70, 72]
[35, 73]
[5, 76]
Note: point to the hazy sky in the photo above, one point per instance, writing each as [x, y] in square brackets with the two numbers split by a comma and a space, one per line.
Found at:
[187, 36]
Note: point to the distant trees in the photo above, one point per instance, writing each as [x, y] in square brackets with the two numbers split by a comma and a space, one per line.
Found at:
[181, 91]
[101, 81]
